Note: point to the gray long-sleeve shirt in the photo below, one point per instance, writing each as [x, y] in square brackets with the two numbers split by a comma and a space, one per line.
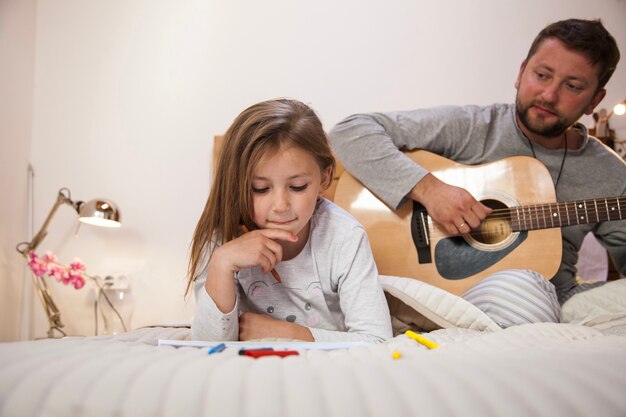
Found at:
[368, 144]
[331, 287]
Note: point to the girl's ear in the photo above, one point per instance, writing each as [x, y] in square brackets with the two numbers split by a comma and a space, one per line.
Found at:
[326, 179]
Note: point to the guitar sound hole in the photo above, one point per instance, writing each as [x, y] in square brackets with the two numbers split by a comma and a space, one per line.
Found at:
[496, 228]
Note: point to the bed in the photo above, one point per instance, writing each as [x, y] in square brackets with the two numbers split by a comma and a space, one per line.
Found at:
[575, 368]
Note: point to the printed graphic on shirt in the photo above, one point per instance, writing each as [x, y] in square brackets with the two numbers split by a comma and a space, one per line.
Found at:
[295, 305]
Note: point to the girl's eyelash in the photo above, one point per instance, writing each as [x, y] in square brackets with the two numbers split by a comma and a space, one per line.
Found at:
[264, 190]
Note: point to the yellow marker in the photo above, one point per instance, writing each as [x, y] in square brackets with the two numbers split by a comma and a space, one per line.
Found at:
[421, 339]
[396, 355]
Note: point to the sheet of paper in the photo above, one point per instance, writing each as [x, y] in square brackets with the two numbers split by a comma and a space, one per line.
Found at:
[261, 344]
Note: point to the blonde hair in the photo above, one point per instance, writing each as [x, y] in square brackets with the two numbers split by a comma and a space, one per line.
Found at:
[257, 131]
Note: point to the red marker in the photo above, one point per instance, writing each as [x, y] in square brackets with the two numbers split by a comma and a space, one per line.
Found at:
[257, 353]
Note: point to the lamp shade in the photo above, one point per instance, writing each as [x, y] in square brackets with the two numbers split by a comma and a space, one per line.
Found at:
[100, 212]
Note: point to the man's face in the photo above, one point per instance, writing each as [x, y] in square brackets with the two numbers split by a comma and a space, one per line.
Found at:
[554, 88]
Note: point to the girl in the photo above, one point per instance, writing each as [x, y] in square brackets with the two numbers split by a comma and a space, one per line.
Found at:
[265, 214]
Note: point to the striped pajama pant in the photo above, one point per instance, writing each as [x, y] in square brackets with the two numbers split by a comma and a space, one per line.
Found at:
[515, 296]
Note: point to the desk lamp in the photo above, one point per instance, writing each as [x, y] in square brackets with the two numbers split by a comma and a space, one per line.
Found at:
[98, 212]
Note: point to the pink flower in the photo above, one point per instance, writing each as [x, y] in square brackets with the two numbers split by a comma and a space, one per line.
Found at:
[77, 265]
[56, 271]
[36, 265]
[48, 265]
[66, 278]
[49, 257]
[79, 282]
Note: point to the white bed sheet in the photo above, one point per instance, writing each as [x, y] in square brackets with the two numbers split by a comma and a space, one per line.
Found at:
[540, 370]
[547, 370]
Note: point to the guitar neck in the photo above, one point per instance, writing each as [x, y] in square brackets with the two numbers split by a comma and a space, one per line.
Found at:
[570, 213]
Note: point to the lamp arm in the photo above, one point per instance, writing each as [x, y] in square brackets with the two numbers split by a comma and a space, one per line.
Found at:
[25, 247]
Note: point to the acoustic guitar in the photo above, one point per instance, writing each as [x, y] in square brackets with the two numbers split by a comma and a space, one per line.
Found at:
[522, 232]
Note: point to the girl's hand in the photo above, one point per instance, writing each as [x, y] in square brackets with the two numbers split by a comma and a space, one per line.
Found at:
[259, 326]
[257, 248]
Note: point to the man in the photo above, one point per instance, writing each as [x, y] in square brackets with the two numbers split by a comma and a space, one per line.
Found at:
[562, 78]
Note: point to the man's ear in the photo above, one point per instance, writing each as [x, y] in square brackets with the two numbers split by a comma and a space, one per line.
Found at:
[327, 178]
[519, 74]
[595, 101]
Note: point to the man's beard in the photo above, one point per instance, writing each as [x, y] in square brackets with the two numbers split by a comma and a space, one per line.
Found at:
[537, 127]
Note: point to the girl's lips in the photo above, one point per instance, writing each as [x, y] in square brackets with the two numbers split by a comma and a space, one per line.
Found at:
[278, 223]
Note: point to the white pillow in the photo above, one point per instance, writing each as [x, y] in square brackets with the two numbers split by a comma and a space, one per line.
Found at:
[418, 305]
[603, 306]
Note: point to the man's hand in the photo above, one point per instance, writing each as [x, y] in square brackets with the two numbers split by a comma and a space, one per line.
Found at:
[259, 326]
[452, 207]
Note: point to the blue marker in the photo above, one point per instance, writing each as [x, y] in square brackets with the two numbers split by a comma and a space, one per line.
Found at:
[217, 348]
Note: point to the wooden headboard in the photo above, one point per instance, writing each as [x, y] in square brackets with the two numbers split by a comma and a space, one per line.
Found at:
[328, 194]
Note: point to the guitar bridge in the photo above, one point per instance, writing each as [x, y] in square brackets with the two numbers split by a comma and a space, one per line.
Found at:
[420, 233]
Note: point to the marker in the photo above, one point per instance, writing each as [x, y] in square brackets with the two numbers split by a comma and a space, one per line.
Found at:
[273, 271]
[244, 350]
[258, 353]
[217, 348]
[421, 339]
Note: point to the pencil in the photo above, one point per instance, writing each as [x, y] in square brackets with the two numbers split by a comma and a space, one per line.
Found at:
[273, 271]
[421, 339]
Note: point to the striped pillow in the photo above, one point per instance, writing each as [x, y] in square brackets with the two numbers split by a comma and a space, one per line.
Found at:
[514, 296]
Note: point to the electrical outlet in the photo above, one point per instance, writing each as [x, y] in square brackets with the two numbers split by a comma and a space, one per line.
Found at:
[116, 282]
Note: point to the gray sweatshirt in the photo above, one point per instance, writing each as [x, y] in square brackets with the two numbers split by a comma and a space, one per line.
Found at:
[368, 144]
[331, 287]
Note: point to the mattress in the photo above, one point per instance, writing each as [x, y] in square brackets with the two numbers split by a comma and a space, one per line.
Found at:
[547, 369]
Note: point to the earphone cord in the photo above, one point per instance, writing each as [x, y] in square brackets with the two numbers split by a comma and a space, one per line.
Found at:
[558, 177]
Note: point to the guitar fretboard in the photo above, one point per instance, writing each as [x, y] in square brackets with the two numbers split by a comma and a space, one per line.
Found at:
[570, 213]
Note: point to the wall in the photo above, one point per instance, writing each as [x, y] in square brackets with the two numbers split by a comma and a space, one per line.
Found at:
[17, 53]
[129, 94]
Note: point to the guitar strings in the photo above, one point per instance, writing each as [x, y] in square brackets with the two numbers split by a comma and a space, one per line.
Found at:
[540, 209]
[547, 215]
[531, 215]
[551, 208]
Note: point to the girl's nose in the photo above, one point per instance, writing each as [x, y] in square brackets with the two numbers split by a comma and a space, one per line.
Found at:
[280, 202]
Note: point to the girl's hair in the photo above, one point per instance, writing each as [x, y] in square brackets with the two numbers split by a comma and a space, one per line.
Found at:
[259, 130]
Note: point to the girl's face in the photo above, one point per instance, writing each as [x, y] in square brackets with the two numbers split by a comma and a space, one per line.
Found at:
[285, 187]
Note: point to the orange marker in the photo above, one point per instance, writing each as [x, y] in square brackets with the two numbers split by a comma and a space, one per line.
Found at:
[273, 271]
